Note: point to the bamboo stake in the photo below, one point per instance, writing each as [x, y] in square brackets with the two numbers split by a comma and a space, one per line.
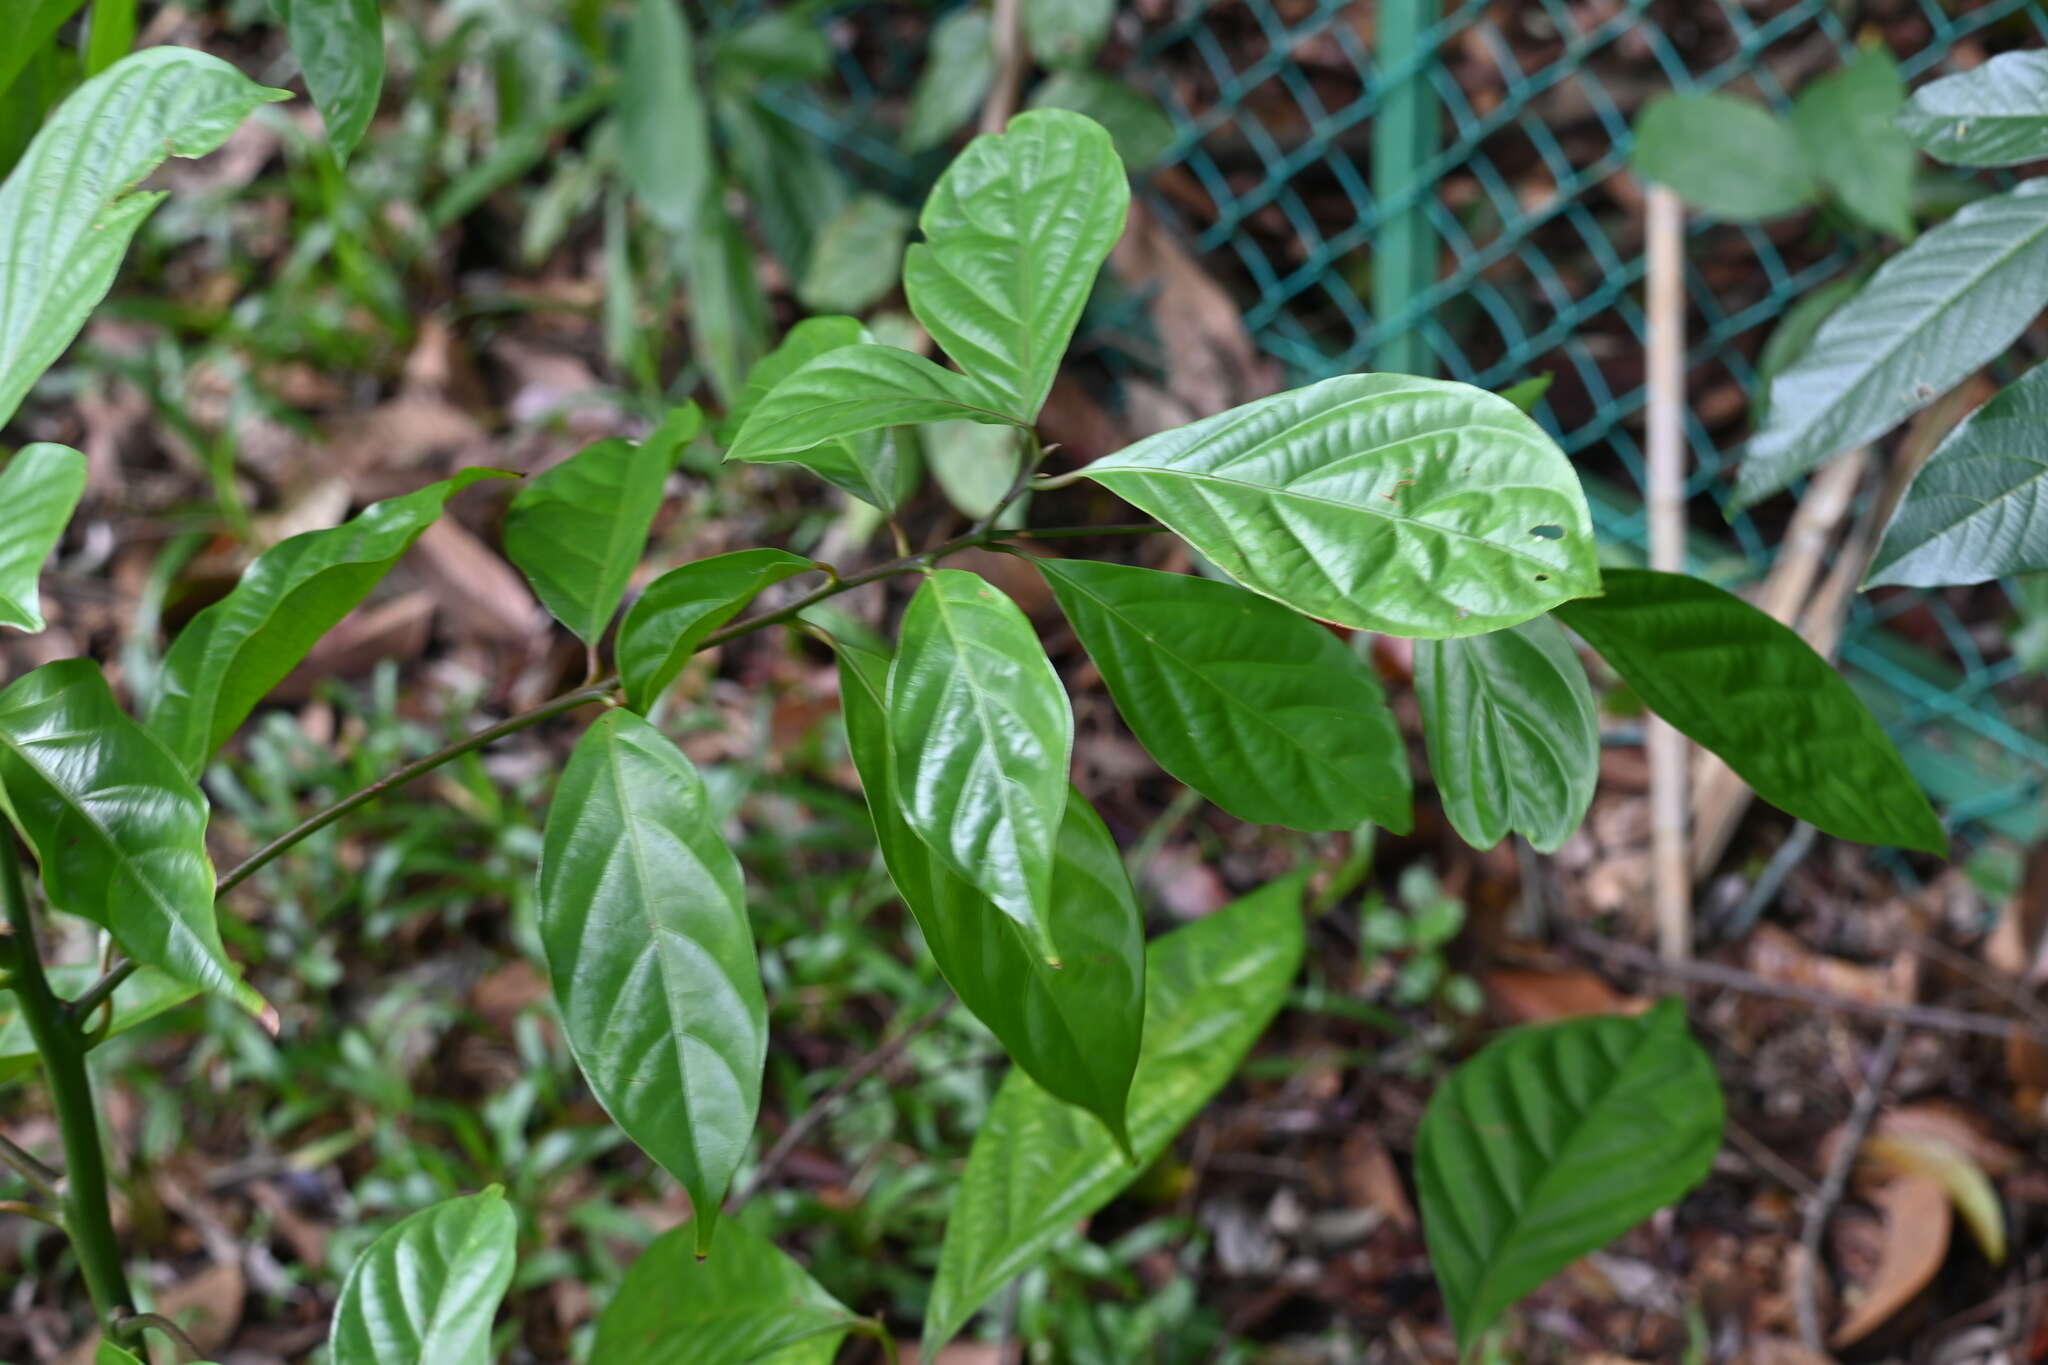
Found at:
[1671, 874]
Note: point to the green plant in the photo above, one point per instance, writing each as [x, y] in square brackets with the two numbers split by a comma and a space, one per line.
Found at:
[1381, 502]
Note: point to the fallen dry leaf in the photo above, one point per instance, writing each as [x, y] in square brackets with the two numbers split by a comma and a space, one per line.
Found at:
[1916, 1231]
[1919, 1155]
[1780, 956]
[1211, 363]
[1369, 1180]
[1529, 996]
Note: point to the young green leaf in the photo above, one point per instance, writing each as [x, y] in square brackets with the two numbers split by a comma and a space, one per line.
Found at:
[340, 47]
[956, 76]
[141, 998]
[1513, 733]
[1723, 156]
[799, 346]
[1136, 124]
[70, 205]
[982, 736]
[857, 257]
[1749, 689]
[1928, 317]
[1552, 1142]
[666, 132]
[109, 36]
[107, 1353]
[1066, 33]
[577, 530]
[1992, 115]
[866, 462]
[1014, 233]
[1978, 509]
[1039, 1166]
[1846, 122]
[1259, 709]
[663, 629]
[1074, 1028]
[36, 25]
[424, 1292]
[1415, 507]
[643, 918]
[239, 648]
[118, 828]
[40, 488]
[850, 390]
[745, 1302]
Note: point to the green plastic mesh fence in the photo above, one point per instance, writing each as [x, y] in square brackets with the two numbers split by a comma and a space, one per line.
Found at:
[1532, 257]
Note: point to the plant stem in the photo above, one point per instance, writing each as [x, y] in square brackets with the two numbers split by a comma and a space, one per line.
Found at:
[87, 1218]
[30, 1169]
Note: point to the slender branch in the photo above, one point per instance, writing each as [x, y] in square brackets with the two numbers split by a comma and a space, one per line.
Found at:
[25, 1210]
[31, 1168]
[1822, 1205]
[88, 1220]
[1121, 528]
[102, 990]
[133, 1325]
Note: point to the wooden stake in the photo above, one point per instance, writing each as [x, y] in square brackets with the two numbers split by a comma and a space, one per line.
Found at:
[1671, 875]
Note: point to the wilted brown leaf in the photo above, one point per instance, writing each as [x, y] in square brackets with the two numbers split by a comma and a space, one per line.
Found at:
[1917, 1221]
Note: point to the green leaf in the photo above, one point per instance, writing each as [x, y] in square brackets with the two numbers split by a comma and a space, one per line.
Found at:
[1039, 1166]
[1723, 156]
[983, 736]
[1259, 709]
[1414, 507]
[1795, 332]
[106, 1353]
[957, 72]
[1014, 234]
[975, 465]
[857, 257]
[36, 24]
[791, 183]
[340, 47]
[1513, 733]
[802, 344]
[1074, 1028]
[643, 918]
[1993, 115]
[118, 828]
[1137, 125]
[854, 389]
[782, 45]
[1978, 509]
[1847, 129]
[1749, 689]
[235, 651]
[40, 488]
[71, 205]
[665, 627]
[728, 310]
[1553, 1141]
[1064, 33]
[866, 463]
[142, 997]
[577, 530]
[425, 1291]
[1527, 393]
[110, 35]
[744, 1304]
[1927, 319]
[662, 120]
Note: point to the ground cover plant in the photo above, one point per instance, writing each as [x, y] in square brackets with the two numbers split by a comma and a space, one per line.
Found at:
[1390, 505]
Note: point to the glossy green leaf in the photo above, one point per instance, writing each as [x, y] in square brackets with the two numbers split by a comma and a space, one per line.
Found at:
[340, 47]
[1723, 156]
[802, 344]
[665, 128]
[643, 918]
[425, 1291]
[983, 736]
[1553, 1141]
[1014, 234]
[1513, 733]
[1066, 33]
[1847, 127]
[1136, 124]
[957, 72]
[670, 620]
[1411, 506]
[866, 463]
[142, 997]
[857, 257]
[744, 1304]
[40, 488]
[577, 530]
[118, 828]
[1527, 393]
[1992, 115]
[1039, 1166]
[235, 651]
[854, 389]
[1749, 689]
[1258, 708]
[1927, 319]
[1073, 1028]
[107, 1353]
[70, 205]
[1978, 509]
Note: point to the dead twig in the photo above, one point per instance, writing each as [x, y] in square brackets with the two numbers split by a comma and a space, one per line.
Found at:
[1822, 1206]
[1671, 874]
[1010, 59]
